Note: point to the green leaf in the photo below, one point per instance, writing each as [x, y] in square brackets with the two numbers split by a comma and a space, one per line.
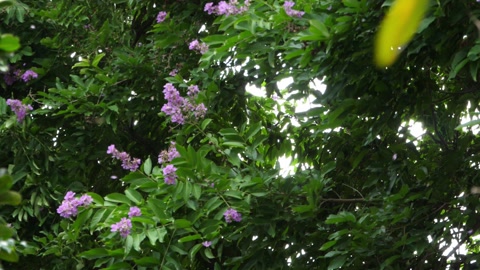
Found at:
[328, 245]
[152, 235]
[320, 28]
[97, 59]
[337, 262]
[340, 218]
[9, 43]
[205, 123]
[97, 217]
[94, 253]
[147, 261]
[208, 253]
[5, 232]
[10, 197]
[193, 251]
[189, 238]
[128, 244]
[234, 194]
[468, 124]
[182, 223]
[234, 144]
[6, 182]
[158, 208]
[147, 166]
[197, 191]
[134, 196]
[8, 256]
[117, 197]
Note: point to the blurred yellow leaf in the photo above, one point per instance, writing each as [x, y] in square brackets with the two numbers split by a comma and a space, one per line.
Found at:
[397, 29]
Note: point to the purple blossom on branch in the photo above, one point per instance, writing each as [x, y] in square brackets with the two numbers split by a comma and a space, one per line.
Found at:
[207, 243]
[123, 227]
[161, 16]
[232, 215]
[179, 107]
[173, 72]
[170, 175]
[134, 212]
[28, 75]
[70, 204]
[127, 162]
[19, 109]
[288, 5]
[168, 156]
[224, 8]
[195, 45]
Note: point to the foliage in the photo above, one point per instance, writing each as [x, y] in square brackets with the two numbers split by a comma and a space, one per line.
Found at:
[365, 193]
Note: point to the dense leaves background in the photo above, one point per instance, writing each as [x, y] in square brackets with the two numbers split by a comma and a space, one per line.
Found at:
[365, 193]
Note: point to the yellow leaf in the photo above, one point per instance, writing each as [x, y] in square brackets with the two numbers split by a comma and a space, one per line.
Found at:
[397, 29]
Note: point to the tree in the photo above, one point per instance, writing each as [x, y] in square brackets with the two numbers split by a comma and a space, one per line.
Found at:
[125, 79]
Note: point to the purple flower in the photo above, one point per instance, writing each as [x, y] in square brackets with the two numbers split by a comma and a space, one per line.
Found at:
[19, 109]
[291, 12]
[134, 212]
[69, 196]
[180, 108]
[195, 45]
[224, 8]
[67, 209]
[85, 200]
[70, 204]
[200, 111]
[167, 156]
[127, 162]
[131, 164]
[207, 243]
[210, 8]
[123, 227]
[169, 174]
[28, 75]
[288, 5]
[203, 48]
[232, 215]
[111, 149]
[161, 16]
[193, 90]
[173, 72]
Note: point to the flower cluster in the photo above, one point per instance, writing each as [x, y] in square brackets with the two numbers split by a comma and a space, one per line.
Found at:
[70, 204]
[170, 175]
[173, 72]
[291, 12]
[224, 8]
[134, 212]
[127, 162]
[17, 74]
[232, 215]
[123, 227]
[28, 75]
[178, 107]
[169, 171]
[19, 109]
[167, 156]
[197, 46]
[125, 224]
[161, 16]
